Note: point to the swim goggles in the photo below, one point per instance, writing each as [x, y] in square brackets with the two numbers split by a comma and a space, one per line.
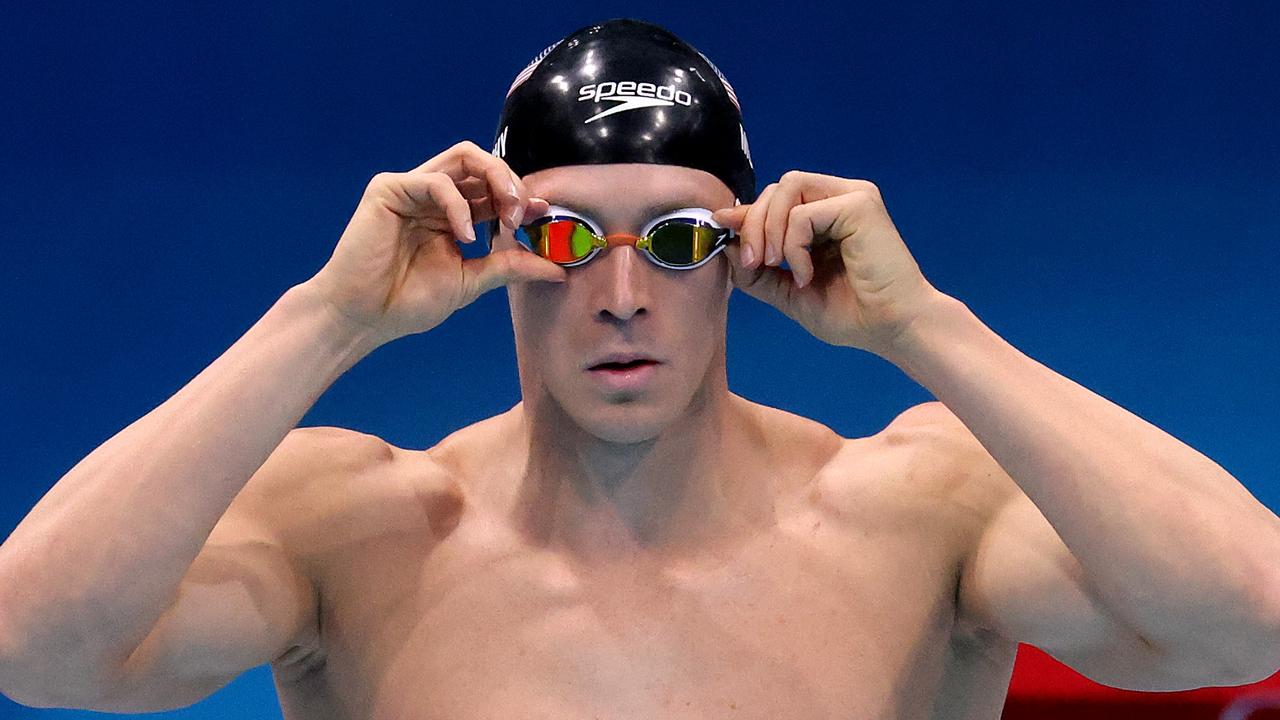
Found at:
[681, 239]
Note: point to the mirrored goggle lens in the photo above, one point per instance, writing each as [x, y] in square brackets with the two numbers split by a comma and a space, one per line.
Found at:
[683, 242]
[675, 242]
[562, 241]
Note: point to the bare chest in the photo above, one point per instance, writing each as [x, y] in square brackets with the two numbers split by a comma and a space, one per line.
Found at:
[811, 619]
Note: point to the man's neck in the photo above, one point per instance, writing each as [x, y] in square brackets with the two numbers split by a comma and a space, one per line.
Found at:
[697, 483]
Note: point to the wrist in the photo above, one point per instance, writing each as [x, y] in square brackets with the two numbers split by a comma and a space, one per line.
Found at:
[338, 333]
[938, 315]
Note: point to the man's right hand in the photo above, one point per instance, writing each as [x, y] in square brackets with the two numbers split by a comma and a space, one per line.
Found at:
[397, 269]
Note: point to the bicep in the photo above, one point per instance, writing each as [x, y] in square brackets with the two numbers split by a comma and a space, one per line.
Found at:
[1019, 580]
[242, 603]
[1022, 582]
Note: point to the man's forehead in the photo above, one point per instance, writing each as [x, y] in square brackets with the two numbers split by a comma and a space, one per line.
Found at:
[644, 187]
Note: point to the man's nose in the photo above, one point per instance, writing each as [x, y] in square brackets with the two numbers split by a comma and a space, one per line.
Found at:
[622, 289]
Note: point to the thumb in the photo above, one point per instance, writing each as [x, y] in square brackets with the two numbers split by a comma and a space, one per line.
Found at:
[500, 267]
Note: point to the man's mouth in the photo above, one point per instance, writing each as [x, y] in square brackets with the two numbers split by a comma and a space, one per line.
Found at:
[624, 372]
[622, 366]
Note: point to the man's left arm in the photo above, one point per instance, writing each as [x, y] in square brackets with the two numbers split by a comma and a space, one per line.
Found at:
[1173, 547]
[1156, 566]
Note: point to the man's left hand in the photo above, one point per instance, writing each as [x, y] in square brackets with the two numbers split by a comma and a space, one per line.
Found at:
[852, 280]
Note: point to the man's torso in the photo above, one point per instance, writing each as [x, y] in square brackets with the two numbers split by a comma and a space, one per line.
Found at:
[432, 606]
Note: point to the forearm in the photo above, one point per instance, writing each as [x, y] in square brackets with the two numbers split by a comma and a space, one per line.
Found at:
[95, 563]
[1173, 545]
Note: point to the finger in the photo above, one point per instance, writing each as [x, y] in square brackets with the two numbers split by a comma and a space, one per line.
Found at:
[473, 187]
[476, 190]
[454, 161]
[818, 186]
[742, 276]
[797, 239]
[466, 159]
[537, 206]
[786, 197]
[730, 217]
[482, 209]
[501, 267]
[751, 233]
[771, 285]
[753, 281]
[506, 194]
[425, 195]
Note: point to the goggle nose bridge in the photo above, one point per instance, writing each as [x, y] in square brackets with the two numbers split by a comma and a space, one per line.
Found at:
[635, 241]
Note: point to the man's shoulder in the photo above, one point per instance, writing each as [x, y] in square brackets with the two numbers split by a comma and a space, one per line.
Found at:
[329, 455]
[336, 450]
[309, 459]
[926, 415]
[925, 451]
[926, 430]
[331, 483]
[932, 432]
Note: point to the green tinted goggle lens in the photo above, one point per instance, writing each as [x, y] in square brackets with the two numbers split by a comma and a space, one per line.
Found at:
[677, 242]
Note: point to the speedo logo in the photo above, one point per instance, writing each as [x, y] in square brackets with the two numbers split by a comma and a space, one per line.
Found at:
[632, 95]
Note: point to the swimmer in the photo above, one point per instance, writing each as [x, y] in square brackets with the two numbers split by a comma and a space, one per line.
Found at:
[632, 539]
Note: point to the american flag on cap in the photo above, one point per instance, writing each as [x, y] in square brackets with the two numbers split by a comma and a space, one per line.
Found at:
[528, 69]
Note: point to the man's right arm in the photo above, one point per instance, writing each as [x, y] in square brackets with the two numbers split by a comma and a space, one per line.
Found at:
[86, 577]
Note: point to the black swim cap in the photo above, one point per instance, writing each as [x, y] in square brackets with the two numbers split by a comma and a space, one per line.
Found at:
[625, 91]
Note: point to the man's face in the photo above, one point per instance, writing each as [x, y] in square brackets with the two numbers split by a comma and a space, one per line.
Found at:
[621, 303]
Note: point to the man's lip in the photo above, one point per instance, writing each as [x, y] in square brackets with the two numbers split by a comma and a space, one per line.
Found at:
[623, 358]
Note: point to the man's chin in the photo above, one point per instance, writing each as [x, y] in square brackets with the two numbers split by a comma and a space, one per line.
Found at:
[625, 423]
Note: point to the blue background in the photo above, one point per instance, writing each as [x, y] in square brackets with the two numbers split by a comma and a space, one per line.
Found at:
[1100, 183]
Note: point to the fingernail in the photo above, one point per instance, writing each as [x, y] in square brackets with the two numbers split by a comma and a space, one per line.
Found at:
[516, 215]
[511, 190]
[471, 232]
[748, 256]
